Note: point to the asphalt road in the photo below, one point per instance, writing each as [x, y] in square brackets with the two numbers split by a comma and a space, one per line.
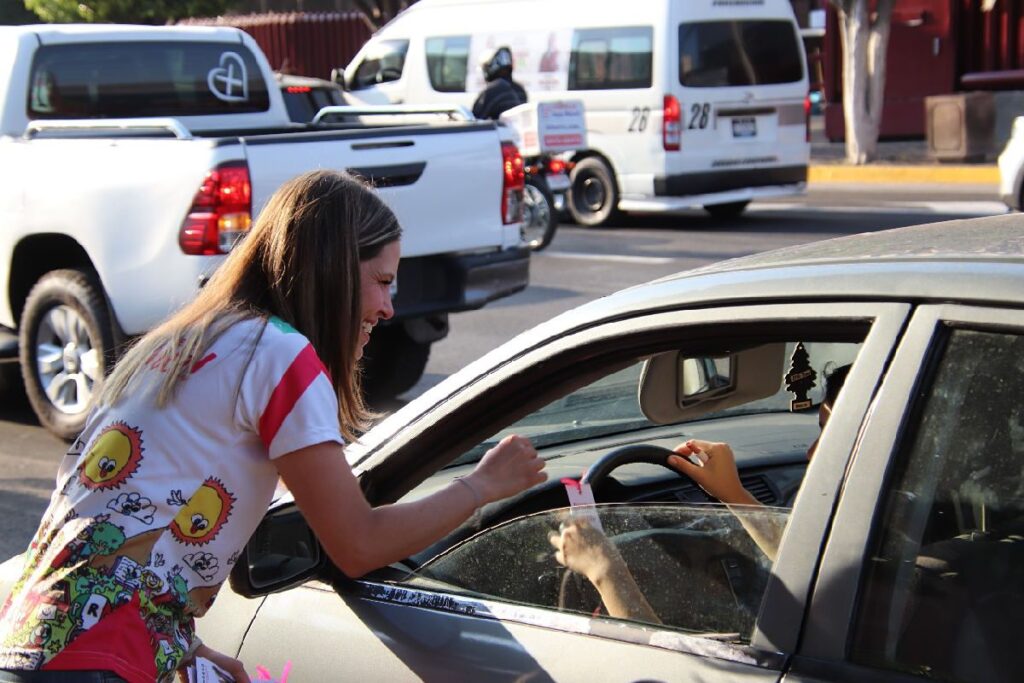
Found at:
[579, 266]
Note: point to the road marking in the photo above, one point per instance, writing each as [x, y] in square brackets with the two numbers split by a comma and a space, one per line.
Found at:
[956, 208]
[617, 258]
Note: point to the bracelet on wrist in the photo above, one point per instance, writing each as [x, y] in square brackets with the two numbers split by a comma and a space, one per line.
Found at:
[477, 500]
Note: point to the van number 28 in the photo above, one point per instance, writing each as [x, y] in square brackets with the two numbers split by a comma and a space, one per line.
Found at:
[638, 122]
[699, 115]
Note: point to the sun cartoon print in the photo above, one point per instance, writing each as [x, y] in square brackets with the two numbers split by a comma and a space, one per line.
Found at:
[113, 458]
[204, 514]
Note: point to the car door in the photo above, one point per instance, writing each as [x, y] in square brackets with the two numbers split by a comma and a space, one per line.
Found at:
[923, 574]
[383, 628]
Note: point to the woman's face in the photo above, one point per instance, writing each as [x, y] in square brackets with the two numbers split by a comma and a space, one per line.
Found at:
[376, 276]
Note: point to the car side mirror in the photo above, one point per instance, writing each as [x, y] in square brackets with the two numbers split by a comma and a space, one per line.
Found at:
[281, 554]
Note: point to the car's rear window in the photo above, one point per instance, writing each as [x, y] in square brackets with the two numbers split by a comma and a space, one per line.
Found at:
[303, 102]
[136, 79]
[714, 54]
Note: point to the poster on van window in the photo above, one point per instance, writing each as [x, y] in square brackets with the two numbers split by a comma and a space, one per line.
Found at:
[540, 58]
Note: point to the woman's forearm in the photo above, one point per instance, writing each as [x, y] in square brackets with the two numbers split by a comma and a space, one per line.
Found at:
[622, 596]
[403, 529]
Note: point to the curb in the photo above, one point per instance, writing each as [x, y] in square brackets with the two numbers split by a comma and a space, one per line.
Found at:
[981, 174]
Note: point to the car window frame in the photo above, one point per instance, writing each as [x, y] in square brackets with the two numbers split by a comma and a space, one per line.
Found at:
[833, 605]
[782, 610]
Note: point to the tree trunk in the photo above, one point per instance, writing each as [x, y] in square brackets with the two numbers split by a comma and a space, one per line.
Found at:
[865, 42]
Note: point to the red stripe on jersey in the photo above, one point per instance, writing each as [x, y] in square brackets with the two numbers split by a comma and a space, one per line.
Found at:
[203, 361]
[297, 378]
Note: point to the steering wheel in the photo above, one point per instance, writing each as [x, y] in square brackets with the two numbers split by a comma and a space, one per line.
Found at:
[626, 455]
[573, 588]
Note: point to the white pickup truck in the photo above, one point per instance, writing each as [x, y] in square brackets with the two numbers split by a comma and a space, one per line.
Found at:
[133, 157]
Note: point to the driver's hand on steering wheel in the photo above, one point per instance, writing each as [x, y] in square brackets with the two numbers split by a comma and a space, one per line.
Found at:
[718, 476]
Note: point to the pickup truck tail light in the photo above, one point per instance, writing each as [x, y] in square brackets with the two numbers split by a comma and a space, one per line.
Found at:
[671, 124]
[221, 212]
[513, 180]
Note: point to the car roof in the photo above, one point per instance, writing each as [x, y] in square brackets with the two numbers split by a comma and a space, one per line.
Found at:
[998, 238]
[970, 261]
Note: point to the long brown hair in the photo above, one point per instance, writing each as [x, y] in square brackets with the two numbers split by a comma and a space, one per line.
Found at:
[300, 263]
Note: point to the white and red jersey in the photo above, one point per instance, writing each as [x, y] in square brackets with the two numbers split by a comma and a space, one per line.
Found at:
[153, 506]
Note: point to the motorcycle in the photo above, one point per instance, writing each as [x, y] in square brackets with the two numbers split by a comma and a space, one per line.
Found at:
[547, 181]
[547, 133]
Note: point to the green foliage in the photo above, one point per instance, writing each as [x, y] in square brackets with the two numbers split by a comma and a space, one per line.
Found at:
[125, 11]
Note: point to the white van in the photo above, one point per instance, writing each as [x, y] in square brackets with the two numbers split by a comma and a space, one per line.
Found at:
[689, 102]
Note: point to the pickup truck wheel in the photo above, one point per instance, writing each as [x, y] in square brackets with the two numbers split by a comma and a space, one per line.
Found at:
[727, 210]
[539, 217]
[593, 198]
[65, 340]
[392, 364]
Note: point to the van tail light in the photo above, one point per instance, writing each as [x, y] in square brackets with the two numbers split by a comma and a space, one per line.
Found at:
[807, 118]
[513, 180]
[671, 124]
[221, 212]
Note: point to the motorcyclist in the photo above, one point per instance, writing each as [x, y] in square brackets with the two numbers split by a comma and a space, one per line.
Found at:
[501, 93]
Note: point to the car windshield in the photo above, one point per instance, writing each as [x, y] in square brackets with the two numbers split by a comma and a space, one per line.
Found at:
[610, 405]
[696, 565]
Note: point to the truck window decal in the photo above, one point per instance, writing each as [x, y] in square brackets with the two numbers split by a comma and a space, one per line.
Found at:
[229, 81]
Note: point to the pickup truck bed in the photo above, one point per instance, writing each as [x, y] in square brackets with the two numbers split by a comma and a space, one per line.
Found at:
[111, 222]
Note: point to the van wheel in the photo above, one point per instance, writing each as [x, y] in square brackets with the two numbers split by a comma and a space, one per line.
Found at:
[728, 210]
[593, 198]
[65, 343]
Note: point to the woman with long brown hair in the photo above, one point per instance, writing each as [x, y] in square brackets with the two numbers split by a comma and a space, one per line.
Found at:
[255, 380]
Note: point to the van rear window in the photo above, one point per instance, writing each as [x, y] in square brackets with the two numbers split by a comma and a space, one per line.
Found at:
[139, 79]
[607, 58]
[714, 54]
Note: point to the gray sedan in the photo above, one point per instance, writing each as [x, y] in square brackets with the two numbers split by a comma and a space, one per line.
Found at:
[900, 552]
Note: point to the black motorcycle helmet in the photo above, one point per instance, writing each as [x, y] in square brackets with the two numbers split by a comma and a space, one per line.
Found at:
[497, 64]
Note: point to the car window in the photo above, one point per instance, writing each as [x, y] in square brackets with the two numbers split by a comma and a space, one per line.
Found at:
[132, 79]
[695, 565]
[604, 58]
[716, 54]
[447, 62]
[943, 595]
[383, 62]
[304, 101]
[610, 405]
